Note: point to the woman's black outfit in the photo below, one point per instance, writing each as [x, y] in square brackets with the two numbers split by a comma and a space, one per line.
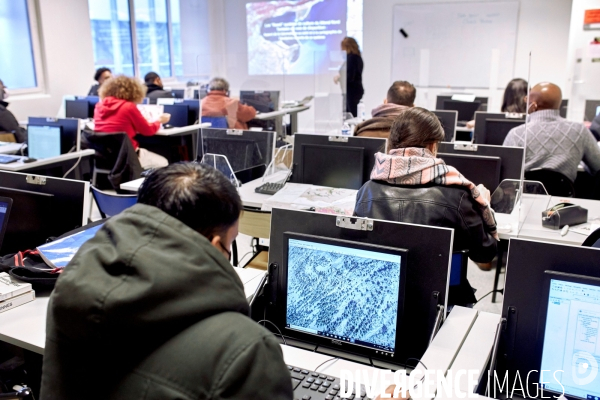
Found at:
[354, 87]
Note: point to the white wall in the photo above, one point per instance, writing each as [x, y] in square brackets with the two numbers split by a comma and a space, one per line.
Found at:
[584, 76]
[66, 41]
[543, 29]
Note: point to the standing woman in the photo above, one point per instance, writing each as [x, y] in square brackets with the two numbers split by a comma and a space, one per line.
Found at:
[350, 76]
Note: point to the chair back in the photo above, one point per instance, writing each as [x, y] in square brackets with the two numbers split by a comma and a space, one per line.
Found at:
[110, 204]
[556, 184]
[593, 240]
[216, 122]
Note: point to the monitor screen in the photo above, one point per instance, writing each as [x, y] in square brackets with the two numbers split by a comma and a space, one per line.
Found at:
[571, 342]
[466, 109]
[77, 109]
[333, 166]
[345, 291]
[497, 129]
[262, 101]
[43, 141]
[478, 169]
[5, 205]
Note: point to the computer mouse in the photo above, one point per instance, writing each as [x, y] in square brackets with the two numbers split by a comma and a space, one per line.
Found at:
[29, 159]
[167, 126]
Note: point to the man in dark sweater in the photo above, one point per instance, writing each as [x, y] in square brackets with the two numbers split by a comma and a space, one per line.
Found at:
[151, 307]
[155, 88]
[400, 96]
[8, 122]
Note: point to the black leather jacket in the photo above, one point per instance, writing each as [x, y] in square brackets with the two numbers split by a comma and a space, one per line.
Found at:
[430, 204]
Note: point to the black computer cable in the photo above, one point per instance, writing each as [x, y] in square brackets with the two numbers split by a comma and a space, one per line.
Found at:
[501, 291]
[325, 362]
[280, 334]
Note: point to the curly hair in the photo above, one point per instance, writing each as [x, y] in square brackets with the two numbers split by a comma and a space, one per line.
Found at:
[123, 87]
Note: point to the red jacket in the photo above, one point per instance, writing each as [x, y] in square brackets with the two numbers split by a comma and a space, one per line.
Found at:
[217, 104]
[113, 115]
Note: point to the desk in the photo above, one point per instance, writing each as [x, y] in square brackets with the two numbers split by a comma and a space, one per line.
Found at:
[292, 111]
[11, 148]
[184, 130]
[42, 166]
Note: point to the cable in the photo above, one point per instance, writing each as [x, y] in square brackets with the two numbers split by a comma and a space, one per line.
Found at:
[501, 291]
[280, 334]
[418, 362]
[73, 167]
[325, 362]
[240, 260]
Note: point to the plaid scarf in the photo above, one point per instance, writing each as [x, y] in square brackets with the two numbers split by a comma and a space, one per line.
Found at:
[417, 166]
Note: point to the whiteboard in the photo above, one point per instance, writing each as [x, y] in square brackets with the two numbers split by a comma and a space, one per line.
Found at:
[464, 45]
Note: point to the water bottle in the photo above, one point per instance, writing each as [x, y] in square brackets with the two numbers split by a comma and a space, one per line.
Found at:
[345, 129]
[360, 110]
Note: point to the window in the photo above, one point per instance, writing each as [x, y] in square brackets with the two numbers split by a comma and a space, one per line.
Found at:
[19, 57]
[134, 37]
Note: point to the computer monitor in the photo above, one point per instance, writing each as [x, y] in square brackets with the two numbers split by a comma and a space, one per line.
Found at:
[70, 137]
[439, 102]
[179, 114]
[178, 93]
[193, 110]
[338, 166]
[77, 109]
[262, 100]
[570, 328]
[466, 110]
[34, 225]
[496, 130]
[592, 108]
[243, 149]
[346, 291]
[91, 102]
[44, 141]
[448, 119]
[564, 107]
[492, 128]
[478, 169]
[5, 208]
[511, 157]
[46, 207]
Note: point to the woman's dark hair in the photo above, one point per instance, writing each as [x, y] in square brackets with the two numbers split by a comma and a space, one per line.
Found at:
[415, 127]
[99, 73]
[196, 194]
[350, 46]
[514, 96]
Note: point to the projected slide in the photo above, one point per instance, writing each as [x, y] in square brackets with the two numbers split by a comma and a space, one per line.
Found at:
[296, 37]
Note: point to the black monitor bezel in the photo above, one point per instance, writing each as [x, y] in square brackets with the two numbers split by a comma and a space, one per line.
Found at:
[333, 343]
[442, 114]
[305, 165]
[448, 102]
[4, 225]
[78, 102]
[543, 313]
[497, 160]
[515, 122]
[63, 143]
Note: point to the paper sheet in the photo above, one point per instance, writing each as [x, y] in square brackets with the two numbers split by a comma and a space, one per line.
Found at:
[303, 197]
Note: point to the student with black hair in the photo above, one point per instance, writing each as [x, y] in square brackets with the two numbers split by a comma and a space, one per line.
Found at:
[151, 306]
[8, 122]
[101, 75]
[155, 88]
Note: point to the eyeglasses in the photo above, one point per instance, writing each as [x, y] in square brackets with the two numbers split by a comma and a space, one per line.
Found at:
[226, 250]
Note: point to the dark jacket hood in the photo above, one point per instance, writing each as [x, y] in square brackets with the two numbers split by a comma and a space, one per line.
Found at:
[108, 107]
[142, 279]
[152, 88]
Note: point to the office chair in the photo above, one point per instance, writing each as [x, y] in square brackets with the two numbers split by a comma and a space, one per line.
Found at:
[256, 224]
[112, 204]
[593, 240]
[216, 122]
[556, 184]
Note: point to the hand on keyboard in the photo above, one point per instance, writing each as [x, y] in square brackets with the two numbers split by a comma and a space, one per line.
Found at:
[390, 390]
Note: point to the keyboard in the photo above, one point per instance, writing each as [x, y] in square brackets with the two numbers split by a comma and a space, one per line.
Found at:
[270, 187]
[9, 159]
[310, 385]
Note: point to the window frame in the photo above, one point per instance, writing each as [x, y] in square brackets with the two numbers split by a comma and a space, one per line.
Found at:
[36, 48]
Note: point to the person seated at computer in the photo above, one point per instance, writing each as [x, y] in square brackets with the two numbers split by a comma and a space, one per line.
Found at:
[409, 184]
[400, 96]
[8, 122]
[151, 305]
[101, 75]
[217, 103]
[117, 112]
[513, 100]
[553, 142]
[155, 88]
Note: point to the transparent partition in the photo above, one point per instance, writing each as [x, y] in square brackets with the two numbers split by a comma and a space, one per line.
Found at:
[221, 163]
[584, 100]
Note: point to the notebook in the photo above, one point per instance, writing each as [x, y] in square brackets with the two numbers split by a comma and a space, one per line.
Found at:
[58, 253]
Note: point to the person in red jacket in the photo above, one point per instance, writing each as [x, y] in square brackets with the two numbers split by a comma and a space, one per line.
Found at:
[117, 112]
[217, 103]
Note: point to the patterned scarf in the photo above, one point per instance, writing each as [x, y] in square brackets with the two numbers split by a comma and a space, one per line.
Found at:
[417, 166]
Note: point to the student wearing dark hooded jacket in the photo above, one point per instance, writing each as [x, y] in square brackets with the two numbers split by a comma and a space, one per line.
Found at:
[8, 122]
[151, 307]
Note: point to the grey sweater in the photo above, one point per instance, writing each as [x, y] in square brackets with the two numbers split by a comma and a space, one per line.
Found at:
[555, 143]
